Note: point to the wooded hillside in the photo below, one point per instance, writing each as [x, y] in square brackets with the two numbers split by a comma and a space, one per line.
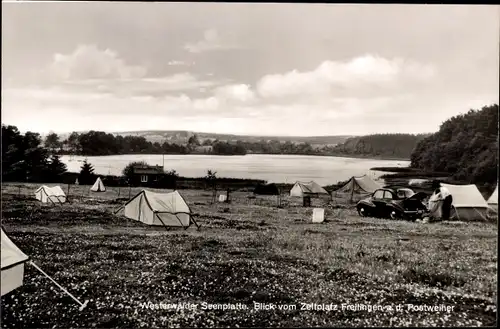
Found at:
[398, 146]
[466, 147]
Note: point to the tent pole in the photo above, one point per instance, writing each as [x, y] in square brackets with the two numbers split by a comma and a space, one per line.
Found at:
[122, 206]
[195, 223]
[165, 226]
[352, 189]
[180, 221]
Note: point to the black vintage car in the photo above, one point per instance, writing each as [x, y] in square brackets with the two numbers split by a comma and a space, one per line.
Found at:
[394, 203]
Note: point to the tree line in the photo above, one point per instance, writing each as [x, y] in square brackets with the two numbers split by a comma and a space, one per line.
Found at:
[398, 146]
[466, 147]
[25, 159]
[96, 143]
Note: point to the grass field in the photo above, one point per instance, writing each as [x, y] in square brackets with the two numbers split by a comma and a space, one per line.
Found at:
[245, 252]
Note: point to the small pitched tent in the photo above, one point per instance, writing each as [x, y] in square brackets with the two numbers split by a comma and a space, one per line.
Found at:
[53, 194]
[13, 260]
[302, 189]
[468, 203]
[359, 186]
[167, 209]
[98, 186]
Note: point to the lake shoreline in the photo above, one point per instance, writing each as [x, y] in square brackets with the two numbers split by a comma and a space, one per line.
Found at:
[271, 168]
[347, 156]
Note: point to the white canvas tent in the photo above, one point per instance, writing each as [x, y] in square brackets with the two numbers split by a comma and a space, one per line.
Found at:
[359, 186]
[167, 209]
[468, 203]
[53, 194]
[98, 186]
[13, 260]
[301, 189]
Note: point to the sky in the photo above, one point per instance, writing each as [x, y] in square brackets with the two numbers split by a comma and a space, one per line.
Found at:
[252, 69]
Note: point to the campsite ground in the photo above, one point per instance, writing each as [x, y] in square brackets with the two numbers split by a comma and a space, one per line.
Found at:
[245, 252]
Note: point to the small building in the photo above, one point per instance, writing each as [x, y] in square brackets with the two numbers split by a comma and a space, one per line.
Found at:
[147, 176]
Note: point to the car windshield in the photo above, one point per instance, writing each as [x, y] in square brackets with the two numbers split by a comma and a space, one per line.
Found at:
[405, 193]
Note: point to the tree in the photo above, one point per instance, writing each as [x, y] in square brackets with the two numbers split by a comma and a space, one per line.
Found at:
[211, 178]
[193, 140]
[35, 157]
[73, 143]
[211, 181]
[128, 171]
[12, 154]
[466, 147]
[172, 173]
[86, 173]
[170, 179]
[52, 142]
[55, 168]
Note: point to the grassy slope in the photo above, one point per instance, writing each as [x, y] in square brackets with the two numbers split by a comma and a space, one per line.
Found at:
[246, 251]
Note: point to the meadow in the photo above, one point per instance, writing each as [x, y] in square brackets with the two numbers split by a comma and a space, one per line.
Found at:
[249, 251]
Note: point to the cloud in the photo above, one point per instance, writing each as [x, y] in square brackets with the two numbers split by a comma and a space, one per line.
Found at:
[211, 41]
[237, 92]
[62, 109]
[367, 94]
[157, 87]
[180, 63]
[333, 77]
[90, 62]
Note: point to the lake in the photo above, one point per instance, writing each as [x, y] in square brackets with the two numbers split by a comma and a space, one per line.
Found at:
[273, 168]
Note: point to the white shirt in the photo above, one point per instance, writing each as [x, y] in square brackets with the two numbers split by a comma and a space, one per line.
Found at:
[444, 192]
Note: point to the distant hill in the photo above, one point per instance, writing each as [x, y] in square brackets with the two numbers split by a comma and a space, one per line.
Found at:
[182, 136]
[398, 146]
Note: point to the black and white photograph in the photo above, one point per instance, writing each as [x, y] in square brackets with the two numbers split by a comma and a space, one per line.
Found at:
[249, 165]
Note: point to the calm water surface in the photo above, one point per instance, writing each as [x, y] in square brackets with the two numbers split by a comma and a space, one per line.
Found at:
[273, 168]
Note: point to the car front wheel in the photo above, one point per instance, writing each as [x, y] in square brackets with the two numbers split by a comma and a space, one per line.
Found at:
[362, 211]
[395, 215]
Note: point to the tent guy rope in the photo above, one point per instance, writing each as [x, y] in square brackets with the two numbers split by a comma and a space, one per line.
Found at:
[82, 306]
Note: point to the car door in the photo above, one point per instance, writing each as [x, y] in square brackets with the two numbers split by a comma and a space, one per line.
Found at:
[387, 199]
[378, 201]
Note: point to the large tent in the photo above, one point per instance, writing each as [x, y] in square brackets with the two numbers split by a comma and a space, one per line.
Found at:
[302, 189]
[468, 203]
[98, 186]
[53, 194]
[167, 209]
[13, 260]
[359, 186]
